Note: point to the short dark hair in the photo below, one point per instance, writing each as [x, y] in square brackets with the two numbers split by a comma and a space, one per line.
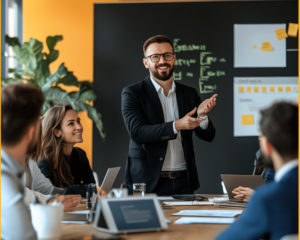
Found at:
[157, 39]
[279, 124]
[21, 106]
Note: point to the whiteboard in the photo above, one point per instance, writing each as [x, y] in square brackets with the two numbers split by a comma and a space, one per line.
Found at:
[248, 39]
[251, 94]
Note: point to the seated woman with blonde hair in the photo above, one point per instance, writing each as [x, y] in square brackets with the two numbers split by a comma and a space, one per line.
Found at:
[62, 163]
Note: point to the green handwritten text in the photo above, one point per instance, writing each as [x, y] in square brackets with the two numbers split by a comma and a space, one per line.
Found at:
[185, 48]
[177, 76]
[181, 62]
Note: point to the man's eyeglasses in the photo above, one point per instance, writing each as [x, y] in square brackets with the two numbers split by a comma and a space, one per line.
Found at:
[156, 57]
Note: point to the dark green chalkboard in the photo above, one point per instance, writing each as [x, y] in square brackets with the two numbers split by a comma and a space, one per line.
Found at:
[120, 30]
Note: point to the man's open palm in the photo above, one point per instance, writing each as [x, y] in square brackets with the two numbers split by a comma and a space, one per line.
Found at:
[207, 105]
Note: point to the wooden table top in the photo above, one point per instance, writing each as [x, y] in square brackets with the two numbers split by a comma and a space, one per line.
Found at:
[174, 231]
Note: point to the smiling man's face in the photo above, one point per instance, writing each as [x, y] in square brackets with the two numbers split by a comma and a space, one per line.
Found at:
[163, 69]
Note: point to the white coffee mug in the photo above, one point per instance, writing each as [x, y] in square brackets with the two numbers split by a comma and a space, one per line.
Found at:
[120, 192]
[46, 220]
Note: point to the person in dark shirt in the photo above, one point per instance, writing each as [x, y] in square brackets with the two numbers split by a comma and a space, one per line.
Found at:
[260, 168]
[61, 162]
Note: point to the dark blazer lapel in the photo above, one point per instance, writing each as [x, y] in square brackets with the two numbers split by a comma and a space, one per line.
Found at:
[180, 100]
[154, 97]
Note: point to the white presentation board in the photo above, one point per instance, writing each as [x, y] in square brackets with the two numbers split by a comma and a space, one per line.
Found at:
[248, 39]
[251, 94]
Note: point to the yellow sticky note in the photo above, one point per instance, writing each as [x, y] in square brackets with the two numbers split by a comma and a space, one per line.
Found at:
[288, 89]
[256, 89]
[248, 89]
[272, 89]
[264, 89]
[293, 29]
[266, 46]
[241, 89]
[247, 120]
[281, 33]
[280, 89]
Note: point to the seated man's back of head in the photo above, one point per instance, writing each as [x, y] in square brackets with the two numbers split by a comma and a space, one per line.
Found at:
[272, 211]
[21, 106]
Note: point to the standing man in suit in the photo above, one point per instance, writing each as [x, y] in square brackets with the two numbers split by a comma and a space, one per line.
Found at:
[161, 116]
[272, 211]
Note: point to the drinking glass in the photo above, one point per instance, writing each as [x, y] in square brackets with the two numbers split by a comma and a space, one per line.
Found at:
[139, 189]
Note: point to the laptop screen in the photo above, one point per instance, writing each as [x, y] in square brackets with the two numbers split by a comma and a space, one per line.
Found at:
[135, 214]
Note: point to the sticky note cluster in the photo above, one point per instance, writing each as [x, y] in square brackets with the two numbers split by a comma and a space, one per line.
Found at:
[292, 31]
[266, 46]
[280, 34]
[264, 89]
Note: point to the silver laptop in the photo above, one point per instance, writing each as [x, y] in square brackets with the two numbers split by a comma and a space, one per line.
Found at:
[78, 217]
[110, 178]
[233, 181]
[107, 184]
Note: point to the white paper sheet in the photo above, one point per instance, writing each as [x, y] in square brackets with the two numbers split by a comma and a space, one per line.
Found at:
[248, 39]
[81, 212]
[195, 220]
[189, 203]
[165, 198]
[209, 213]
[219, 199]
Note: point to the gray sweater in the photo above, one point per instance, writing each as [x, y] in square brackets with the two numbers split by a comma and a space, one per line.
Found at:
[37, 185]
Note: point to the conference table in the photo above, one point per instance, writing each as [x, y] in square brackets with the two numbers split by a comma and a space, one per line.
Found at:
[174, 231]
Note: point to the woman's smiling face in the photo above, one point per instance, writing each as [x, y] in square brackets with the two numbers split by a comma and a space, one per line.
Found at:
[71, 128]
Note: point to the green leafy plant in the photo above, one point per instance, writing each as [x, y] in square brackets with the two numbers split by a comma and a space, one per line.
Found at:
[34, 69]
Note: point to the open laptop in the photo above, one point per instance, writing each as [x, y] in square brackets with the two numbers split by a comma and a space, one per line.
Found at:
[233, 181]
[107, 184]
[110, 178]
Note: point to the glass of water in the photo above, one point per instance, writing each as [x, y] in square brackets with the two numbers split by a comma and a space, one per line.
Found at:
[139, 189]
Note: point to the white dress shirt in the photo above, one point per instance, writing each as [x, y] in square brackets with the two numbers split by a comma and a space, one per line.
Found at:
[174, 159]
[285, 169]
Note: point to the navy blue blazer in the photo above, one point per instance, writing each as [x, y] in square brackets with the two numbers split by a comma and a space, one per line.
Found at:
[272, 212]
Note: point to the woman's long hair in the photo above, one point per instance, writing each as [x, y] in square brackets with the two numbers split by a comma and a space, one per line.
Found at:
[52, 146]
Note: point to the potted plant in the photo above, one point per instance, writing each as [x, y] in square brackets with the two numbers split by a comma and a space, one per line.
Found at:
[33, 68]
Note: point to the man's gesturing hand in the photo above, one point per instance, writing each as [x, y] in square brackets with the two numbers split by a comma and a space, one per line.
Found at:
[207, 105]
[187, 122]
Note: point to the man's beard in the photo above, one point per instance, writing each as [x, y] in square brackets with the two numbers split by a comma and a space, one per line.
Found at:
[164, 76]
[267, 160]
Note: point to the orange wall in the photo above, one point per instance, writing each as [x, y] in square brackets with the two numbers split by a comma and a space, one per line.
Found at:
[74, 20]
